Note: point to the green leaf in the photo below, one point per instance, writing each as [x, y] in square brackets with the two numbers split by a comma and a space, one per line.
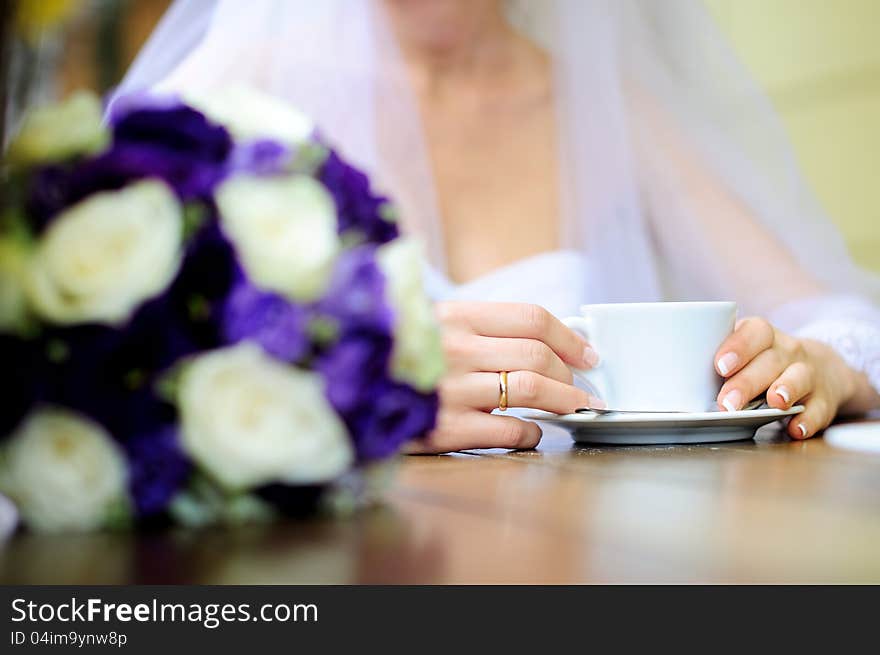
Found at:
[246, 508]
[309, 157]
[323, 330]
[57, 351]
[199, 308]
[351, 238]
[188, 510]
[14, 226]
[167, 386]
[388, 212]
[134, 379]
[205, 503]
[119, 515]
[194, 216]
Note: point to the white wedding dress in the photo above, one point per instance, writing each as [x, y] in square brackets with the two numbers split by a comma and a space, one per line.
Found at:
[558, 280]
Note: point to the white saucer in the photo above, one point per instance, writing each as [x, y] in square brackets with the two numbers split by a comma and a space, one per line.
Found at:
[675, 427]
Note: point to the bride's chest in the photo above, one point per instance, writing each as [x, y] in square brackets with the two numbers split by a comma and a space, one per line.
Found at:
[496, 178]
[492, 158]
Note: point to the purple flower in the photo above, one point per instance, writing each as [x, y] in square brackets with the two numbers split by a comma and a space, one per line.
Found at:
[175, 144]
[198, 295]
[260, 158]
[157, 470]
[353, 370]
[355, 297]
[110, 374]
[379, 413]
[278, 325]
[397, 414]
[50, 191]
[196, 150]
[358, 209]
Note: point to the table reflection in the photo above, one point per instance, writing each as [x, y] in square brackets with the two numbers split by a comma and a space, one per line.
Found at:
[375, 546]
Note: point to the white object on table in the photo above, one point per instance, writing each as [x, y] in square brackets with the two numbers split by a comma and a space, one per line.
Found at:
[864, 437]
[8, 518]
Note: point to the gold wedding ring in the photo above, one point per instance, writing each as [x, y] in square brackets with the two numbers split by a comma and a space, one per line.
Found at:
[502, 389]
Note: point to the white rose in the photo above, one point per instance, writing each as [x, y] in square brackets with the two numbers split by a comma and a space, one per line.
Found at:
[57, 132]
[417, 356]
[103, 257]
[63, 471]
[249, 114]
[13, 305]
[284, 230]
[248, 420]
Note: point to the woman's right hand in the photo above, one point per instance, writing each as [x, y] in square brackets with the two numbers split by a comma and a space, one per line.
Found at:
[535, 348]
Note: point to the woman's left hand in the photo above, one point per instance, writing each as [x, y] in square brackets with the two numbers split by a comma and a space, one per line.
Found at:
[757, 358]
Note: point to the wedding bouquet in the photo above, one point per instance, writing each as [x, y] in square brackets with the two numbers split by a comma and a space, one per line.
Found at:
[206, 315]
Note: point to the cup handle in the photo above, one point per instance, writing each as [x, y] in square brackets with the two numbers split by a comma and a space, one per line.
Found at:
[582, 326]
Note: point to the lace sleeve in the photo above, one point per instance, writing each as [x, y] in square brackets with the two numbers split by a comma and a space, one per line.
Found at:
[849, 324]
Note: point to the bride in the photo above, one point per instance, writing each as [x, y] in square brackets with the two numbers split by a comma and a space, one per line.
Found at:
[554, 153]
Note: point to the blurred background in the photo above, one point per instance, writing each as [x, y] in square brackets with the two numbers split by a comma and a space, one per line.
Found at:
[819, 61]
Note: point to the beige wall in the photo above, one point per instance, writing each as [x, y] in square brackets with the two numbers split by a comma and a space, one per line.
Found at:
[820, 62]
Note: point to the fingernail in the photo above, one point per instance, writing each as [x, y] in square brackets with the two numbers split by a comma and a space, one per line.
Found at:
[727, 362]
[732, 401]
[591, 358]
[782, 392]
[803, 429]
[598, 403]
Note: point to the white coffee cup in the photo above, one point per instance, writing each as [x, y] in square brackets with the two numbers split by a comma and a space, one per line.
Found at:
[655, 356]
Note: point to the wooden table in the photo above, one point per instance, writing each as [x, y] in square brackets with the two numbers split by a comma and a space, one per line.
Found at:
[771, 510]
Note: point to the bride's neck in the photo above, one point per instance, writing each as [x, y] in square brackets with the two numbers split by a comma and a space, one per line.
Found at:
[451, 51]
